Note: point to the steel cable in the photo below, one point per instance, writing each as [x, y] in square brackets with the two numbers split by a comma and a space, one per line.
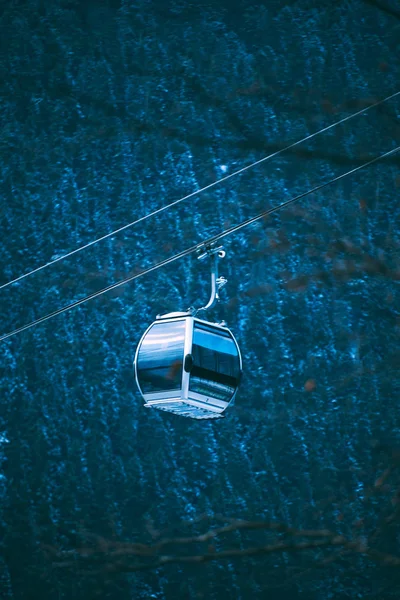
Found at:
[197, 192]
[195, 248]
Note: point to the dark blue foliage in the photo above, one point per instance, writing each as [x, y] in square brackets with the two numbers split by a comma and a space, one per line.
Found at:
[110, 110]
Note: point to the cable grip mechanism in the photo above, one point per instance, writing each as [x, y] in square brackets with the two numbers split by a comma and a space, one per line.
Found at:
[215, 253]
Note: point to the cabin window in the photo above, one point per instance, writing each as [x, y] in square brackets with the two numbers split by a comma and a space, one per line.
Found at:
[160, 358]
[216, 365]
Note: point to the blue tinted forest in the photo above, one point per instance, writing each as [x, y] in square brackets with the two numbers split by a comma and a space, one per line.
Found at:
[110, 110]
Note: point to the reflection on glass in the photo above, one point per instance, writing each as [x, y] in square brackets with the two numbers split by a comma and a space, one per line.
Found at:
[160, 358]
[216, 365]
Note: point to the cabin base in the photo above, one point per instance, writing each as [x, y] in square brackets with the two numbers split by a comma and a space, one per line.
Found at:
[186, 410]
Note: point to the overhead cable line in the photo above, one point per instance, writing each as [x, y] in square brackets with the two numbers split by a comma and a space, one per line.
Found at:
[195, 248]
[197, 192]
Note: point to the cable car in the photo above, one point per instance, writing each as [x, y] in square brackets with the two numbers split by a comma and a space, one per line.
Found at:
[187, 365]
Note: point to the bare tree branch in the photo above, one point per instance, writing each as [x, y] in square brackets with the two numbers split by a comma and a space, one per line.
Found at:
[106, 556]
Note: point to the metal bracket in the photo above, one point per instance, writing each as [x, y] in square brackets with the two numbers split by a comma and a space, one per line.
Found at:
[215, 253]
[210, 250]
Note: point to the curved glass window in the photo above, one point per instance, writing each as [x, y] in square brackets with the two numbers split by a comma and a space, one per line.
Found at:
[216, 364]
[160, 358]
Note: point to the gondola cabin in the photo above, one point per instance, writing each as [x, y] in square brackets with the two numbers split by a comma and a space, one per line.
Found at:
[188, 366]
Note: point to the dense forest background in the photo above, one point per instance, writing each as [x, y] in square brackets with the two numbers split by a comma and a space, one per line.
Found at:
[110, 110]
